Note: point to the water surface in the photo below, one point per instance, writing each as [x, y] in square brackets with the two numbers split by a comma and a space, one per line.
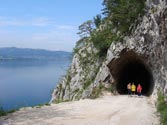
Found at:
[28, 83]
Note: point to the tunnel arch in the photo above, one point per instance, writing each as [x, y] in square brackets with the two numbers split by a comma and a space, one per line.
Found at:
[131, 67]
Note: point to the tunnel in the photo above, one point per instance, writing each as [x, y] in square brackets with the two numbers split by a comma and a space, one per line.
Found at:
[131, 68]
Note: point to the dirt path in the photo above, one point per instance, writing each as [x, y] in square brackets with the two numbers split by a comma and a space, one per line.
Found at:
[108, 110]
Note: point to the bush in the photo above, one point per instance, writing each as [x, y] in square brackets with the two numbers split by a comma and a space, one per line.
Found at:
[75, 50]
[120, 15]
[87, 84]
[123, 13]
[2, 112]
[60, 101]
[162, 108]
[42, 104]
[103, 39]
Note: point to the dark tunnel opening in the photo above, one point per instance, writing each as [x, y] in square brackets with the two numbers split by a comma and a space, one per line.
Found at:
[130, 68]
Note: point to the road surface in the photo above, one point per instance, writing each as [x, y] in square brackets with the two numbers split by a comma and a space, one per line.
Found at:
[107, 110]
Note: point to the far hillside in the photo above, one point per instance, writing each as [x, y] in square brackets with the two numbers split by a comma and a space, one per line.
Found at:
[13, 53]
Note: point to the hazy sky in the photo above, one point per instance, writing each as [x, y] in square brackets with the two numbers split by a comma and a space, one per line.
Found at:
[45, 24]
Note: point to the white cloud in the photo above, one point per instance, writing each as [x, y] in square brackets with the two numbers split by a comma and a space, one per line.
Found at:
[58, 34]
[42, 21]
[66, 27]
[53, 37]
[39, 21]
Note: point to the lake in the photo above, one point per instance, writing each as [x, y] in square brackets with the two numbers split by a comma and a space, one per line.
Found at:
[29, 82]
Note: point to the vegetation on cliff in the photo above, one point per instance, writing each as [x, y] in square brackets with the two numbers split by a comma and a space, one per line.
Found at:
[162, 108]
[3, 112]
[115, 22]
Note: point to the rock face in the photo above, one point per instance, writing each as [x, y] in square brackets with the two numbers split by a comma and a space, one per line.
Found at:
[76, 84]
[144, 53]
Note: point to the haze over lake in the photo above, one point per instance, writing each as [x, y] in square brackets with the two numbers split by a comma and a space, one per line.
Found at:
[29, 82]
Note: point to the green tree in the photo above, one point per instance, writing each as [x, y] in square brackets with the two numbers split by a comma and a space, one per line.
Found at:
[102, 40]
[123, 13]
[97, 20]
[86, 29]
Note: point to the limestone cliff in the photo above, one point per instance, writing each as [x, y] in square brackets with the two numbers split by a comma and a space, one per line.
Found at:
[82, 72]
[140, 57]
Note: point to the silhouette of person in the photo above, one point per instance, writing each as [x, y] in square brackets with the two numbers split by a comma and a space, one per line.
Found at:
[129, 89]
[133, 88]
[139, 89]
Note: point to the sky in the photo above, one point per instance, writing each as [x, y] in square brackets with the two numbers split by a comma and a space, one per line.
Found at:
[44, 24]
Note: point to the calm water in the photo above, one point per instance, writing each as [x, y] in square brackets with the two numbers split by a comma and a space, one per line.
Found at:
[28, 83]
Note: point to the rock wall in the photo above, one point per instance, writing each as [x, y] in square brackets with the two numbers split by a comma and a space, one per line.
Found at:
[82, 72]
[148, 39]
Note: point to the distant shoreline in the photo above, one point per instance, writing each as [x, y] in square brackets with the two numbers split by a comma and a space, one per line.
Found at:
[13, 53]
[31, 59]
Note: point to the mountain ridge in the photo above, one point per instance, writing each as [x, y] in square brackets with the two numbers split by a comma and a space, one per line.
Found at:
[9, 53]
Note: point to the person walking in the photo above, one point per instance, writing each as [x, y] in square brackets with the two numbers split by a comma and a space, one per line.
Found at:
[139, 89]
[133, 88]
[129, 89]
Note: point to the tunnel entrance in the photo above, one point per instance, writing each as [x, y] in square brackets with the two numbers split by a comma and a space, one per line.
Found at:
[130, 67]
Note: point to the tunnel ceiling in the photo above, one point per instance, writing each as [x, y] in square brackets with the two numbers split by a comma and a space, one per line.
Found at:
[131, 67]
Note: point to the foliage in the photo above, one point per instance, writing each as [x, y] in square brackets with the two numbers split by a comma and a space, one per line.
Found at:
[87, 83]
[76, 90]
[103, 39]
[123, 13]
[3, 112]
[68, 78]
[79, 44]
[79, 94]
[42, 104]
[97, 20]
[60, 101]
[119, 15]
[162, 108]
[86, 29]
[75, 50]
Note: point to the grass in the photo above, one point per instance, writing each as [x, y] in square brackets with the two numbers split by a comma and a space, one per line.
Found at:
[87, 84]
[3, 112]
[43, 104]
[60, 101]
[162, 108]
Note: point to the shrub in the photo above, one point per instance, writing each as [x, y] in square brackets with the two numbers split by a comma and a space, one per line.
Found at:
[120, 15]
[75, 50]
[41, 105]
[87, 84]
[102, 41]
[123, 13]
[162, 108]
[60, 101]
[2, 112]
